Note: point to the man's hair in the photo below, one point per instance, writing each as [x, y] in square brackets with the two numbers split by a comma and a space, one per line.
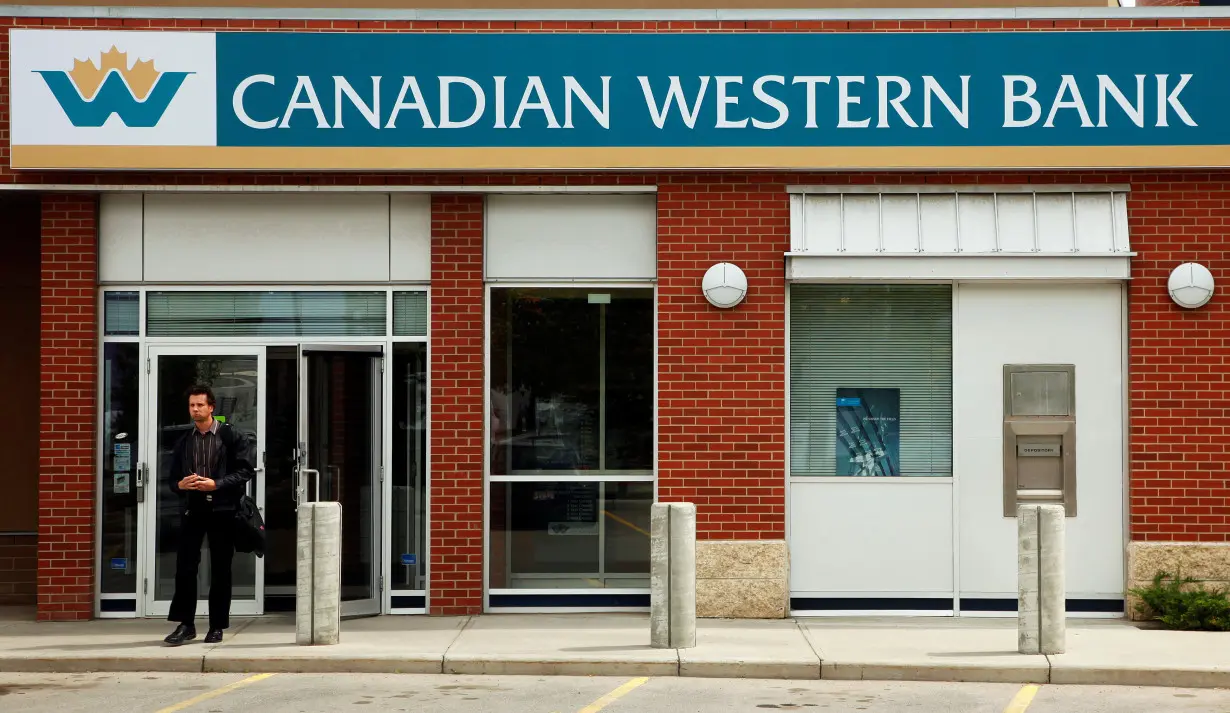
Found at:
[202, 390]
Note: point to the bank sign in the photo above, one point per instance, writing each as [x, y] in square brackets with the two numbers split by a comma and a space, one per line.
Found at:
[334, 101]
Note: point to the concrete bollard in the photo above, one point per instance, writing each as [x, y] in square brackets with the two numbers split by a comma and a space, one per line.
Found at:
[1052, 593]
[672, 587]
[1041, 606]
[318, 605]
[305, 521]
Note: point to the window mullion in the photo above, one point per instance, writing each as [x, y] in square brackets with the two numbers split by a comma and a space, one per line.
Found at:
[602, 388]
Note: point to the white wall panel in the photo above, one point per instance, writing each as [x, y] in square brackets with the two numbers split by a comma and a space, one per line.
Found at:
[871, 537]
[899, 215]
[939, 223]
[1055, 227]
[267, 237]
[822, 218]
[1025, 324]
[976, 232]
[410, 237]
[542, 237]
[1015, 213]
[861, 222]
[119, 237]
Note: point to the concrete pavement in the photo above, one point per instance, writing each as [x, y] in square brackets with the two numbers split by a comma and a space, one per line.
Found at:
[1110, 652]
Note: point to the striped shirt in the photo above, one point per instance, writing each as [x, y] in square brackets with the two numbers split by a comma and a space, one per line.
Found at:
[205, 447]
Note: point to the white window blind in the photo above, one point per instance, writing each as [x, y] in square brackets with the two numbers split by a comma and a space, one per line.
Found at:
[410, 314]
[265, 314]
[871, 336]
[121, 314]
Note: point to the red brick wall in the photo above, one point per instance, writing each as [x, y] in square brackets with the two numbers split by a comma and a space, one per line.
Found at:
[67, 476]
[1180, 436]
[456, 572]
[721, 373]
[18, 572]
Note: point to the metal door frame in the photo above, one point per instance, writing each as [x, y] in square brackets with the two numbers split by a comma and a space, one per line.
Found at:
[153, 489]
[373, 605]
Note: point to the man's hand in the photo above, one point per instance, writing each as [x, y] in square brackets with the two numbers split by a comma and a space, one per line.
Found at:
[189, 482]
[206, 484]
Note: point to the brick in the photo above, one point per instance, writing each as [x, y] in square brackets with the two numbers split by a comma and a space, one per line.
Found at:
[456, 587]
[66, 512]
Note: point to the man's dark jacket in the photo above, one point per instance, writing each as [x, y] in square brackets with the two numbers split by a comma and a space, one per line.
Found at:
[231, 471]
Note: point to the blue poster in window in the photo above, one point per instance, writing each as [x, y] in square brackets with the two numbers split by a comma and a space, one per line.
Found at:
[868, 432]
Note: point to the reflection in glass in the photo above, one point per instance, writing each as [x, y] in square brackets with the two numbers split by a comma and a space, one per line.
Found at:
[234, 382]
[118, 528]
[409, 477]
[343, 440]
[570, 535]
[571, 381]
[281, 438]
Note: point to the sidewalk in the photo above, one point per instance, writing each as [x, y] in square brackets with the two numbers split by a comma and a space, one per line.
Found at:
[1111, 652]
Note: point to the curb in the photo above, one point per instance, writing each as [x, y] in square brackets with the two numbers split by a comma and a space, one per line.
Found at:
[1210, 677]
[96, 664]
[1163, 677]
[525, 666]
[948, 673]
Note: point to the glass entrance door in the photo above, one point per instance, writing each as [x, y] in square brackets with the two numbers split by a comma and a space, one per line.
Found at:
[340, 456]
[236, 375]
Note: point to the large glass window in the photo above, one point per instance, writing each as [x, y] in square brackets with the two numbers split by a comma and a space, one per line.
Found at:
[121, 374]
[570, 535]
[571, 427]
[409, 506]
[571, 381]
[871, 380]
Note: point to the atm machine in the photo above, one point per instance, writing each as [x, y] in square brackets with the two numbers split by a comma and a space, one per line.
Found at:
[1039, 436]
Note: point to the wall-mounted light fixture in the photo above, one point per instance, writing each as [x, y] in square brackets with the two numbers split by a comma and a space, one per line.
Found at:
[724, 285]
[1191, 285]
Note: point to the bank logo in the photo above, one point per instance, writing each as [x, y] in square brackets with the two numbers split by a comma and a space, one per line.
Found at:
[89, 94]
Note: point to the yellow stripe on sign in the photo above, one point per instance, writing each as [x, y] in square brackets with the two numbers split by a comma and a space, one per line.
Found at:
[615, 695]
[1022, 699]
[215, 693]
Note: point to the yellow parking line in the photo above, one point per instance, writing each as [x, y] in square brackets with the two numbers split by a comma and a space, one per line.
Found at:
[613, 696]
[1022, 699]
[214, 693]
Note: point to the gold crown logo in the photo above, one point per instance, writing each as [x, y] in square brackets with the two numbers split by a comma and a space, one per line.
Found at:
[140, 77]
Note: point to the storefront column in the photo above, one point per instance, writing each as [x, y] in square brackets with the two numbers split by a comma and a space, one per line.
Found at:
[722, 389]
[68, 410]
[456, 572]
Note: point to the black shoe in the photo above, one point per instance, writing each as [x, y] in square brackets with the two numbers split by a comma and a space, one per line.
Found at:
[214, 636]
[182, 633]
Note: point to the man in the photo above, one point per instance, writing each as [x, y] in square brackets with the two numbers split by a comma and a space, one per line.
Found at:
[210, 469]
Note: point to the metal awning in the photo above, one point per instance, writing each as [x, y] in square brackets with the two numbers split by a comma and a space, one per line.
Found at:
[1027, 232]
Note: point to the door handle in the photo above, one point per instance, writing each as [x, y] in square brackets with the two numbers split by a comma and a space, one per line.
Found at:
[141, 483]
[301, 492]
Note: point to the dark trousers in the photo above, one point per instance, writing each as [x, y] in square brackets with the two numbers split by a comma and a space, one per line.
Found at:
[195, 526]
